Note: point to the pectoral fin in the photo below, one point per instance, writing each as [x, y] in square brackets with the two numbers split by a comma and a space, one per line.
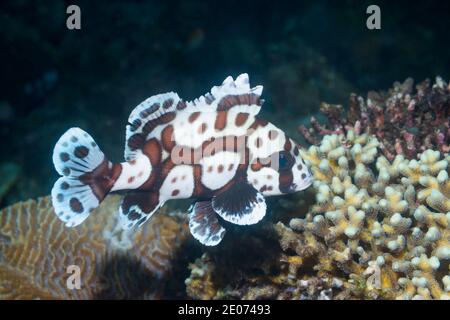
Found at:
[241, 204]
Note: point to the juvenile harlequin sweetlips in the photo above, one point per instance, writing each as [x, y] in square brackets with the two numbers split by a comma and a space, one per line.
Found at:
[213, 149]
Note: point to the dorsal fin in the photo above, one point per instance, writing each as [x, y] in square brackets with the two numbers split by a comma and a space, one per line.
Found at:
[230, 94]
[148, 114]
[159, 109]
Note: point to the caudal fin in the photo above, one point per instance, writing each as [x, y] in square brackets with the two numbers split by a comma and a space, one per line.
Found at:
[79, 160]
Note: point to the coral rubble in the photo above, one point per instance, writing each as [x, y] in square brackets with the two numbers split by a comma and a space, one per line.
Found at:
[36, 251]
[405, 122]
[378, 229]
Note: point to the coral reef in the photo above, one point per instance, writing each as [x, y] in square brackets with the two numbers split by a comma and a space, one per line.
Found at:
[223, 275]
[406, 122]
[393, 216]
[378, 229]
[36, 250]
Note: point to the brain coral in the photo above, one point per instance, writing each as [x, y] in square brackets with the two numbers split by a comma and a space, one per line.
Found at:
[377, 229]
[36, 250]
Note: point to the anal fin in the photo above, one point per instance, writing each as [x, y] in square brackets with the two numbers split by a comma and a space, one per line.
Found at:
[204, 224]
[241, 204]
[137, 207]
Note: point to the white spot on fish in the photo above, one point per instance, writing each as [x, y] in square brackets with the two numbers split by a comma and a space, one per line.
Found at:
[215, 169]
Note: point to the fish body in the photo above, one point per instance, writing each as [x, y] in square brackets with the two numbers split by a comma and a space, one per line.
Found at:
[214, 149]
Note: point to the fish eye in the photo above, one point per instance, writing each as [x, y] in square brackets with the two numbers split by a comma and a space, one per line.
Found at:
[284, 161]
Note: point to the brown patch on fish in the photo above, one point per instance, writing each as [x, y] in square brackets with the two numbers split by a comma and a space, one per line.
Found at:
[273, 134]
[167, 138]
[152, 149]
[241, 118]
[287, 144]
[81, 152]
[181, 105]
[136, 141]
[202, 128]
[64, 156]
[221, 120]
[168, 103]
[258, 142]
[193, 116]
[76, 205]
[148, 111]
[258, 123]
[256, 166]
[229, 101]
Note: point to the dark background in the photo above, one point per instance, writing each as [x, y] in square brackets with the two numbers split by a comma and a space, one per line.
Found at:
[53, 78]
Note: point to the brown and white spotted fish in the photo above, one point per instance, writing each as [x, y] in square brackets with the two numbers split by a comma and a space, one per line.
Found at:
[214, 149]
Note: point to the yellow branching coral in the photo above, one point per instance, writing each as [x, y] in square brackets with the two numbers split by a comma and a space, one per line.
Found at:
[394, 216]
[36, 250]
[377, 229]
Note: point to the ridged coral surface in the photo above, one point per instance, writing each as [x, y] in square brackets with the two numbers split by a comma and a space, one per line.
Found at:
[378, 229]
[36, 249]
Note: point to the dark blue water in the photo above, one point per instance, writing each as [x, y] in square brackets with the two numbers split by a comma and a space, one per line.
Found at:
[53, 78]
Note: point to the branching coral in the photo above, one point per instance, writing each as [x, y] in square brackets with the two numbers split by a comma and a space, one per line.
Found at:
[378, 229]
[260, 269]
[405, 122]
[36, 250]
[393, 216]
